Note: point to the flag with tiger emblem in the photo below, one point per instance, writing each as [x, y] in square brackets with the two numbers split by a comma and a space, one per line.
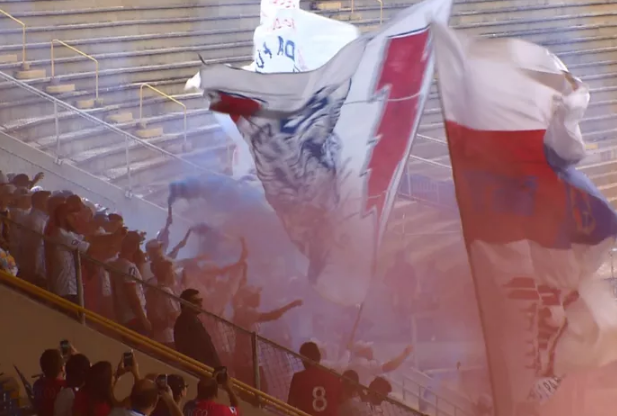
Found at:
[330, 145]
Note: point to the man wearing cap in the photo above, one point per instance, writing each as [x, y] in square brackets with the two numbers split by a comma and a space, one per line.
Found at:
[22, 180]
[33, 267]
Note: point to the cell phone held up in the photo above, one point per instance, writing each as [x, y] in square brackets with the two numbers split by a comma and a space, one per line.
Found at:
[161, 382]
[128, 359]
[65, 348]
[220, 375]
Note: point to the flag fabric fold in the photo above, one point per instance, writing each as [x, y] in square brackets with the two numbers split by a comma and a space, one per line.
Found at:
[536, 229]
[329, 145]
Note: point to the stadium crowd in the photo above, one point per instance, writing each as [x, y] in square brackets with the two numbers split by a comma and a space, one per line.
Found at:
[40, 229]
[70, 385]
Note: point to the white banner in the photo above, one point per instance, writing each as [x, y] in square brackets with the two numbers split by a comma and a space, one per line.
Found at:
[296, 41]
[269, 8]
[330, 145]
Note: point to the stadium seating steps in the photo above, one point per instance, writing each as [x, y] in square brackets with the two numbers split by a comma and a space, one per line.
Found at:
[158, 43]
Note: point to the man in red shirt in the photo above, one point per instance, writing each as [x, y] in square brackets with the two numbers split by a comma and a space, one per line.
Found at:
[47, 387]
[315, 390]
[207, 392]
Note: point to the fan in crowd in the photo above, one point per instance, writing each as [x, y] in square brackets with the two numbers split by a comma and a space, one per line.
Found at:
[150, 292]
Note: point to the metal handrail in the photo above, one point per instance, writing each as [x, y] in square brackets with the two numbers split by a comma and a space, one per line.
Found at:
[196, 366]
[430, 161]
[216, 318]
[23, 36]
[82, 53]
[439, 397]
[169, 97]
[432, 139]
[107, 126]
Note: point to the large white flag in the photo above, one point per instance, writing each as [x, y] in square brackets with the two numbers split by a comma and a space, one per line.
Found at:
[536, 229]
[330, 145]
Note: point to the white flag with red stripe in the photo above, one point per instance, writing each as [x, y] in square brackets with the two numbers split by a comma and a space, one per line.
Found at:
[330, 145]
[537, 230]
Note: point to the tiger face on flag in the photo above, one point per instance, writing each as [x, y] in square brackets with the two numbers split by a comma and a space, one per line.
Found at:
[330, 145]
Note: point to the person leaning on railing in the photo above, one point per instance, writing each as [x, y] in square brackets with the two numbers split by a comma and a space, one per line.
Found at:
[191, 337]
[62, 274]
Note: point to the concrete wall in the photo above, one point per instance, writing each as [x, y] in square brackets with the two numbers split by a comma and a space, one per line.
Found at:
[27, 328]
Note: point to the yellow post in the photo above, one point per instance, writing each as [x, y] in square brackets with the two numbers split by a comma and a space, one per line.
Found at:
[380, 11]
[23, 36]
[74, 49]
[169, 97]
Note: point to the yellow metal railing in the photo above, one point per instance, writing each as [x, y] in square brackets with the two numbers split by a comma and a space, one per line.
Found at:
[148, 344]
[380, 11]
[169, 97]
[23, 36]
[74, 49]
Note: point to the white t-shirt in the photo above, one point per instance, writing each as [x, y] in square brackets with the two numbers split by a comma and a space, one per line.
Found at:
[63, 406]
[63, 276]
[164, 306]
[120, 282]
[17, 246]
[34, 255]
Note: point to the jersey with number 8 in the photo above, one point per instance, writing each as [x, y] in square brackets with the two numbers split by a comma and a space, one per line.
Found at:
[316, 392]
[320, 403]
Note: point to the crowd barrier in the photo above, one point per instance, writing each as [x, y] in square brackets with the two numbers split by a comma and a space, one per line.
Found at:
[251, 359]
[439, 193]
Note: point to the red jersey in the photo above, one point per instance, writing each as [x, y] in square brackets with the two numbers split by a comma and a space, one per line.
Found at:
[83, 406]
[45, 391]
[209, 408]
[315, 391]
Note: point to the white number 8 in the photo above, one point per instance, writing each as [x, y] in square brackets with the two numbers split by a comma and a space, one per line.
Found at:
[319, 399]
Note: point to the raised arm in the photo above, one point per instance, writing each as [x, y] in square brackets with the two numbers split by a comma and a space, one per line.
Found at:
[277, 313]
[396, 362]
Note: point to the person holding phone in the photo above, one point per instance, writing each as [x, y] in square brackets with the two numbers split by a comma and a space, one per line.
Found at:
[77, 367]
[97, 398]
[207, 392]
[144, 398]
[178, 388]
[46, 388]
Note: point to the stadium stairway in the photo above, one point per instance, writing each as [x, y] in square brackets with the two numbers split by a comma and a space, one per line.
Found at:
[99, 339]
[158, 43]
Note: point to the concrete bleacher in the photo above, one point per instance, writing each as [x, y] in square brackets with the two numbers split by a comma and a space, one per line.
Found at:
[158, 43]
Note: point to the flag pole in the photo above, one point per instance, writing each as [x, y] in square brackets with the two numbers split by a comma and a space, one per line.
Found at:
[489, 355]
[354, 329]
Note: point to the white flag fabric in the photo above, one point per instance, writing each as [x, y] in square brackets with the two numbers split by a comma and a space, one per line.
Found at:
[330, 145]
[305, 42]
[536, 229]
